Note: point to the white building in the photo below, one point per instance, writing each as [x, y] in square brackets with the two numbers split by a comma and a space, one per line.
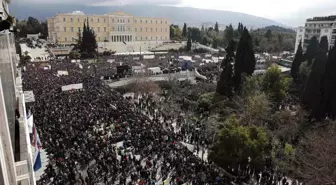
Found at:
[16, 165]
[319, 27]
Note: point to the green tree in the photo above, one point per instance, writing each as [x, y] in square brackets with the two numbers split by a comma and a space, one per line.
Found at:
[228, 34]
[236, 144]
[216, 27]
[312, 95]
[330, 84]
[184, 31]
[296, 63]
[189, 44]
[275, 84]
[311, 50]
[87, 43]
[240, 28]
[245, 60]
[202, 29]
[268, 35]
[215, 43]
[224, 85]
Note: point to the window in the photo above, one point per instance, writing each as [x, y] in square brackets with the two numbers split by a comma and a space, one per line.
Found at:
[140, 21]
[151, 21]
[141, 38]
[161, 21]
[166, 29]
[123, 20]
[98, 20]
[146, 29]
[104, 29]
[151, 38]
[156, 38]
[71, 20]
[325, 30]
[64, 29]
[124, 28]
[73, 39]
[118, 28]
[140, 29]
[128, 21]
[156, 29]
[135, 29]
[166, 22]
[78, 29]
[113, 29]
[104, 20]
[146, 21]
[78, 20]
[135, 21]
[112, 20]
[65, 39]
[64, 19]
[98, 29]
[72, 29]
[91, 19]
[156, 21]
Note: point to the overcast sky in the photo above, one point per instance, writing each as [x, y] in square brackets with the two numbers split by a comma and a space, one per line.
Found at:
[289, 12]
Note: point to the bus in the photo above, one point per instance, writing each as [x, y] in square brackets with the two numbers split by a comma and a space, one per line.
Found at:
[285, 63]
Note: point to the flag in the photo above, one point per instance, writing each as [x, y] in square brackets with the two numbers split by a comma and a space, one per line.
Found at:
[30, 122]
[38, 146]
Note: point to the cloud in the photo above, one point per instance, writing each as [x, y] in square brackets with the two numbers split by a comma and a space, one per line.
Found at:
[105, 2]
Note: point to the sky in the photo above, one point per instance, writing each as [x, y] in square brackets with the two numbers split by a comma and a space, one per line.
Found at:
[289, 12]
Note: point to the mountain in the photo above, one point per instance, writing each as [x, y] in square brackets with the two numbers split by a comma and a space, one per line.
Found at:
[274, 28]
[178, 15]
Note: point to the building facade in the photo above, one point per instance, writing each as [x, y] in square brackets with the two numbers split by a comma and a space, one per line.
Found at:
[319, 27]
[115, 27]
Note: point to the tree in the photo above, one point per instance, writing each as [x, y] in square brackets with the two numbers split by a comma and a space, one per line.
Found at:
[189, 44]
[88, 43]
[268, 35]
[311, 50]
[224, 85]
[296, 63]
[330, 84]
[315, 156]
[245, 60]
[275, 85]
[216, 27]
[175, 32]
[44, 30]
[240, 28]
[228, 34]
[312, 95]
[184, 32]
[194, 34]
[202, 29]
[215, 43]
[235, 144]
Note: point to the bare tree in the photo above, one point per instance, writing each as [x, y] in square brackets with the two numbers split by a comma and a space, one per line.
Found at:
[316, 156]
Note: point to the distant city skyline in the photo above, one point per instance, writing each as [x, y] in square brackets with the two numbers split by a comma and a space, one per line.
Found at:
[289, 12]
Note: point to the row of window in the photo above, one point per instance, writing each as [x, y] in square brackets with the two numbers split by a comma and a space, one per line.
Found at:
[325, 25]
[120, 29]
[117, 20]
[116, 38]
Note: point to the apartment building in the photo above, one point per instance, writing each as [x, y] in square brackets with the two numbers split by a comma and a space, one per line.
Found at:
[319, 27]
[16, 162]
[116, 27]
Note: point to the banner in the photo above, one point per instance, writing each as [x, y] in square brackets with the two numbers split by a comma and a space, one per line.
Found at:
[72, 87]
[60, 73]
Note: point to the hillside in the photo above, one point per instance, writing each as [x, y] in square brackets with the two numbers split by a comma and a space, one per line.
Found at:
[178, 15]
[280, 29]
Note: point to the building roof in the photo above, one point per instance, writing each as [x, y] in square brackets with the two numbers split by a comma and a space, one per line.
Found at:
[327, 18]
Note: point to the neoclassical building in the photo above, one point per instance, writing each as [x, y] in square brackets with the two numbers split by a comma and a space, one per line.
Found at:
[115, 27]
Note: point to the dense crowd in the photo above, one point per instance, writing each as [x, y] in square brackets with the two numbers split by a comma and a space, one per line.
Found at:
[95, 135]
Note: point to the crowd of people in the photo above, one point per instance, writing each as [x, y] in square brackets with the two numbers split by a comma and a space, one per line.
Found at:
[95, 135]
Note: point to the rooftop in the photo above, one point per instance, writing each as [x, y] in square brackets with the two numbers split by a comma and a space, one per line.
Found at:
[327, 18]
